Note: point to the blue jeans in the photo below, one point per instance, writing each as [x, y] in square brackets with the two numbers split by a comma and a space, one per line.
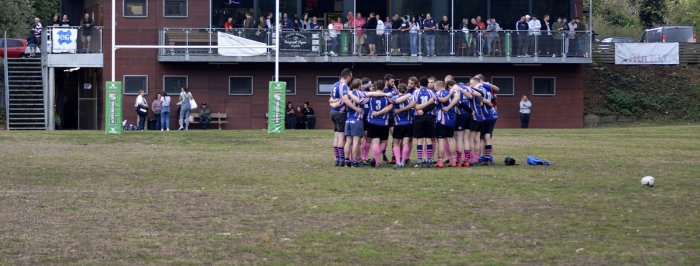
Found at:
[165, 118]
[414, 43]
[185, 116]
[205, 122]
[142, 122]
[157, 122]
[580, 45]
[334, 44]
[429, 44]
[489, 44]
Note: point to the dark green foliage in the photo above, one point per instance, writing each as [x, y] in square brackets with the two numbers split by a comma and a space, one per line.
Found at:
[652, 12]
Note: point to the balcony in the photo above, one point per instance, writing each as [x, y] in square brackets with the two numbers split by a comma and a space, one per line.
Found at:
[392, 47]
[70, 47]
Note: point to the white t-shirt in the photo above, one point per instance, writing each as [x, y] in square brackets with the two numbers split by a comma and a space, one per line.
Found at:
[165, 101]
[140, 100]
[380, 27]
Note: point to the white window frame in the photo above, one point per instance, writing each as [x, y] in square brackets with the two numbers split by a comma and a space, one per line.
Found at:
[187, 81]
[187, 10]
[252, 87]
[295, 82]
[544, 77]
[133, 93]
[506, 77]
[317, 84]
[129, 16]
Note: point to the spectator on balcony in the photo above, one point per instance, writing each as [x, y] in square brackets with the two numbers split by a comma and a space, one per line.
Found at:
[581, 38]
[371, 37]
[534, 27]
[55, 21]
[86, 35]
[521, 31]
[348, 20]
[476, 39]
[305, 23]
[297, 24]
[65, 22]
[262, 23]
[396, 23]
[558, 36]
[32, 42]
[571, 37]
[314, 24]
[525, 110]
[268, 21]
[492, 35]
[204, 116]
[443, 36]
[381, 33]
[482, 26]
[37, 29]
[413, 29]
[286, 23]
[310, 116]
[249, 22]
[463, 36]
[228, 25]
[547, 41]
[429, 28]
[334, 30]
[357, 24]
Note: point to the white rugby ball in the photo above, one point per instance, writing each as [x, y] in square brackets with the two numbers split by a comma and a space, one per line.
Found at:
[648, 181]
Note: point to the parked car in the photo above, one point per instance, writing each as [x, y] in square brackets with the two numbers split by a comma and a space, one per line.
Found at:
[16, 48]
[670, 34]
[617, 40]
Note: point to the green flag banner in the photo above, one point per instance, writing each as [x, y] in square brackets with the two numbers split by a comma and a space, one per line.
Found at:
[276, 111]
[113, 108]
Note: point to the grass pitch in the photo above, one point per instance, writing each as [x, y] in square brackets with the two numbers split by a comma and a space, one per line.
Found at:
[238, 197]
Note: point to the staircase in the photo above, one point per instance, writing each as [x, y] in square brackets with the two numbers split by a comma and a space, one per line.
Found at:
[26, 109]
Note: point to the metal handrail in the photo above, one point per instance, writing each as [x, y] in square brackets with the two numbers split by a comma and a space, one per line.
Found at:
[6, 83]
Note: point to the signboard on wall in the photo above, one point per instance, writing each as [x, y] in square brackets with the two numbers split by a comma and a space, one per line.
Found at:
[64, 40]
[276, 107]
[299, 43]
[113, 108]
[647, 54]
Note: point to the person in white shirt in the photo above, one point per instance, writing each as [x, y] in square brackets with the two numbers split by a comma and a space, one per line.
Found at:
[534, 27]
[525, 110]
[381, 29]
[165, 112]
[141, 106]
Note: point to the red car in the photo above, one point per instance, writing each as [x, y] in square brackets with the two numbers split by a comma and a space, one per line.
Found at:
[15, 47]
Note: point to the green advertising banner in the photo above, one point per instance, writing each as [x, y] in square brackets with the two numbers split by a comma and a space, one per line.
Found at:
[113, 108]
[277, 105]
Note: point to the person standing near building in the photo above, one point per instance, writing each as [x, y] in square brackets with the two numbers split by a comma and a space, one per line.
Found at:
[429, 28]
[581, 38]
[491, 35]
[228, 25]
[413, 29]
[141, 106]
[65, 22]
[534, 27]
[157, 108]
[290, 119]
[525, 110]
[32, 43]
[55, 21]
[37, 30]
[249, 22]
[165, 112]
[558, 35]
[547, 41]
[185, 108]
[370, 28]
[86, 35]
[310, 116]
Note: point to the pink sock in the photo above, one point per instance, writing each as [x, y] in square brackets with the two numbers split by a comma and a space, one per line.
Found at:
[447, 150]
[382, 147]
[459, 157]
[405, 154]
[365, 150]
[396, 150]
[377, 152]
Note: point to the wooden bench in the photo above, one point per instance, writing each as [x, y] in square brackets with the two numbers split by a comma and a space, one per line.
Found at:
[216, 118]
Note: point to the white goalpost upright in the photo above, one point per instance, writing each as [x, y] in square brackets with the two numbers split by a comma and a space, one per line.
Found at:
[114, 46]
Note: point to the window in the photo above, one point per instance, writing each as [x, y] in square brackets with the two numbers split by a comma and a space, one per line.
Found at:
[324, 85]
[291, 84]
[172, 85]
[134, 83]
[136, 8]
[544, 86]
[506, 84]
[240, 85]
[175, 8]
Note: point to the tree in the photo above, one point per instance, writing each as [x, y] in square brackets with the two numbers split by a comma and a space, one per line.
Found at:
[652, 12]
[45, 9]
[16, 17]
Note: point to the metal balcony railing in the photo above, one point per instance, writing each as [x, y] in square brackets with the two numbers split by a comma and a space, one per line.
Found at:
[351, 42]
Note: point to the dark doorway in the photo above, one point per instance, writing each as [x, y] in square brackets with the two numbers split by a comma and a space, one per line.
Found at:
[76, 98]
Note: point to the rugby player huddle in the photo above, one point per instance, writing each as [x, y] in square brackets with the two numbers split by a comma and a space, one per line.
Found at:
[450, 119]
